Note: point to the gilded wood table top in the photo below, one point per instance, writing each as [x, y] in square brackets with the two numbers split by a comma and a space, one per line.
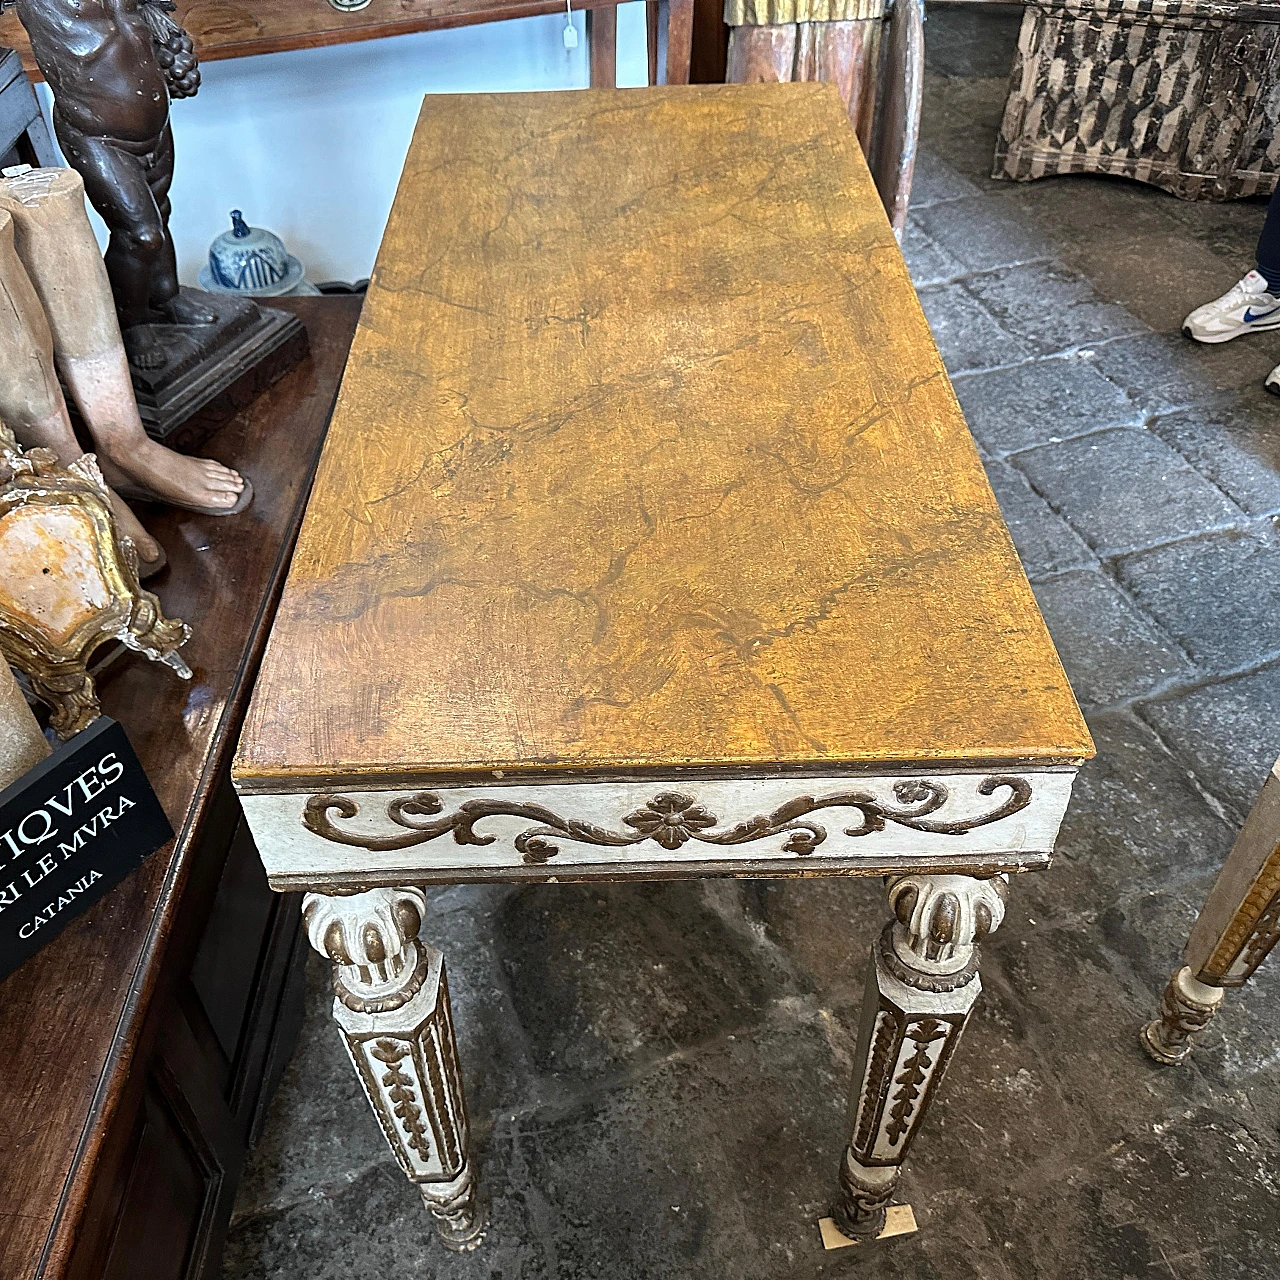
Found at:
[645, 460]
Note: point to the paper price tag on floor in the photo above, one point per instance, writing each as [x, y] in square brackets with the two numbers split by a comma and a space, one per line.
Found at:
[70, 829]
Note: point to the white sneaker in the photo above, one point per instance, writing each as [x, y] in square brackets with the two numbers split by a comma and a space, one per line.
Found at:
[1245, 308]
[1272, 383]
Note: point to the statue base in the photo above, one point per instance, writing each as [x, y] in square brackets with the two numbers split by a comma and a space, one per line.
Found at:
[212, 371]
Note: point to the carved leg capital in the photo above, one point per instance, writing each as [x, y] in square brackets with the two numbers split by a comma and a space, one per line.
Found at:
[1186, 1008]
[372, 939]
[921, 988]
[392, 1007]
[941, 919]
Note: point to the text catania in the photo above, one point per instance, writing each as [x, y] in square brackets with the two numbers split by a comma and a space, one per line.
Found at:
[65, 899]
[63, 825]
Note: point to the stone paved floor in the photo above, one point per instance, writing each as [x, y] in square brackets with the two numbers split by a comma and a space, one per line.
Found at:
[658, 1073]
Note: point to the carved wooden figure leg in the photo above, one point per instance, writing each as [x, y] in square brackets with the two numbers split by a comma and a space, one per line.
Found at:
[58, 248]
[31, 401]
[392, 1006]
[1236, 928]
[843, 53]
[56, 245]
[921, 988]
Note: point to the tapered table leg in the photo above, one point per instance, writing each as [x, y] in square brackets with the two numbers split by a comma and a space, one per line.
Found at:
[392, 1006]
[1236, 929]
[921, 988]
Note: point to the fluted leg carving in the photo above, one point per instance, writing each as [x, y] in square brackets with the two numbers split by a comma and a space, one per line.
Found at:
[922, 986]
[392, 1006]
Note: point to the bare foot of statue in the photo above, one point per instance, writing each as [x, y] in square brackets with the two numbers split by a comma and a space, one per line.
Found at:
[148, 471]
[149, 551]
[143, 350]
[186, 309]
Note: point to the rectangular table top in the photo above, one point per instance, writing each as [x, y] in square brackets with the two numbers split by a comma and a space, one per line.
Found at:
[645, 462]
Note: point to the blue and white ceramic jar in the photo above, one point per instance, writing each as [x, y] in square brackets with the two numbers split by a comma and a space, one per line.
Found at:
[253, 262]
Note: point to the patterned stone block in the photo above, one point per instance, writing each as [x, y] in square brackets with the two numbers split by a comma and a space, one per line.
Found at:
[1178, 93]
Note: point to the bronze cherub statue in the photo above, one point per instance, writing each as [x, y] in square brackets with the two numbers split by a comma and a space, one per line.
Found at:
[113, 65]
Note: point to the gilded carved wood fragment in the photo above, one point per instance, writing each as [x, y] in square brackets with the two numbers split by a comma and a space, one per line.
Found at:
[69, 582]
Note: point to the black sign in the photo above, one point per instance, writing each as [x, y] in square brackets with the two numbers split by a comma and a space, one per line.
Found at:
[70, 829]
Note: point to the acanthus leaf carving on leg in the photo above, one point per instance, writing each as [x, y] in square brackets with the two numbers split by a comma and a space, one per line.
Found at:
[400, 1090]
[392, 1007]
[921, 988]
[915, 1072]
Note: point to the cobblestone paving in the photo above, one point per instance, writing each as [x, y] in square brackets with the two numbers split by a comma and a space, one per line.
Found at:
[658, 1073]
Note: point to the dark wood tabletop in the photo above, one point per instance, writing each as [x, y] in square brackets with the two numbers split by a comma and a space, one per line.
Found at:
[71, 1018]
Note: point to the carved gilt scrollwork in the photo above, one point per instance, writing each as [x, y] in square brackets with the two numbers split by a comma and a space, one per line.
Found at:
[401, 1095]
[69, 582]
[670, 819]
[1266, 933]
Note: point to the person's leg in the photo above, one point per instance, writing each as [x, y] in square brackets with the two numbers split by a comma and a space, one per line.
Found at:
[1269, 269]
[1269, 246]
[1252, 305]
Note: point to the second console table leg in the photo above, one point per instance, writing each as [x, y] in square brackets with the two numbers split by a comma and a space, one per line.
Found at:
[1237, 927]
[392, 1006]
[921, 988]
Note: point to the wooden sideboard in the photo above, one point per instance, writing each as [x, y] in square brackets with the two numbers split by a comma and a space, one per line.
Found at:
[139, 1049]
[223, 29]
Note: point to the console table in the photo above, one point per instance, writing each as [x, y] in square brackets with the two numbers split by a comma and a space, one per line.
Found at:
[139, 1048]
[649, 541]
